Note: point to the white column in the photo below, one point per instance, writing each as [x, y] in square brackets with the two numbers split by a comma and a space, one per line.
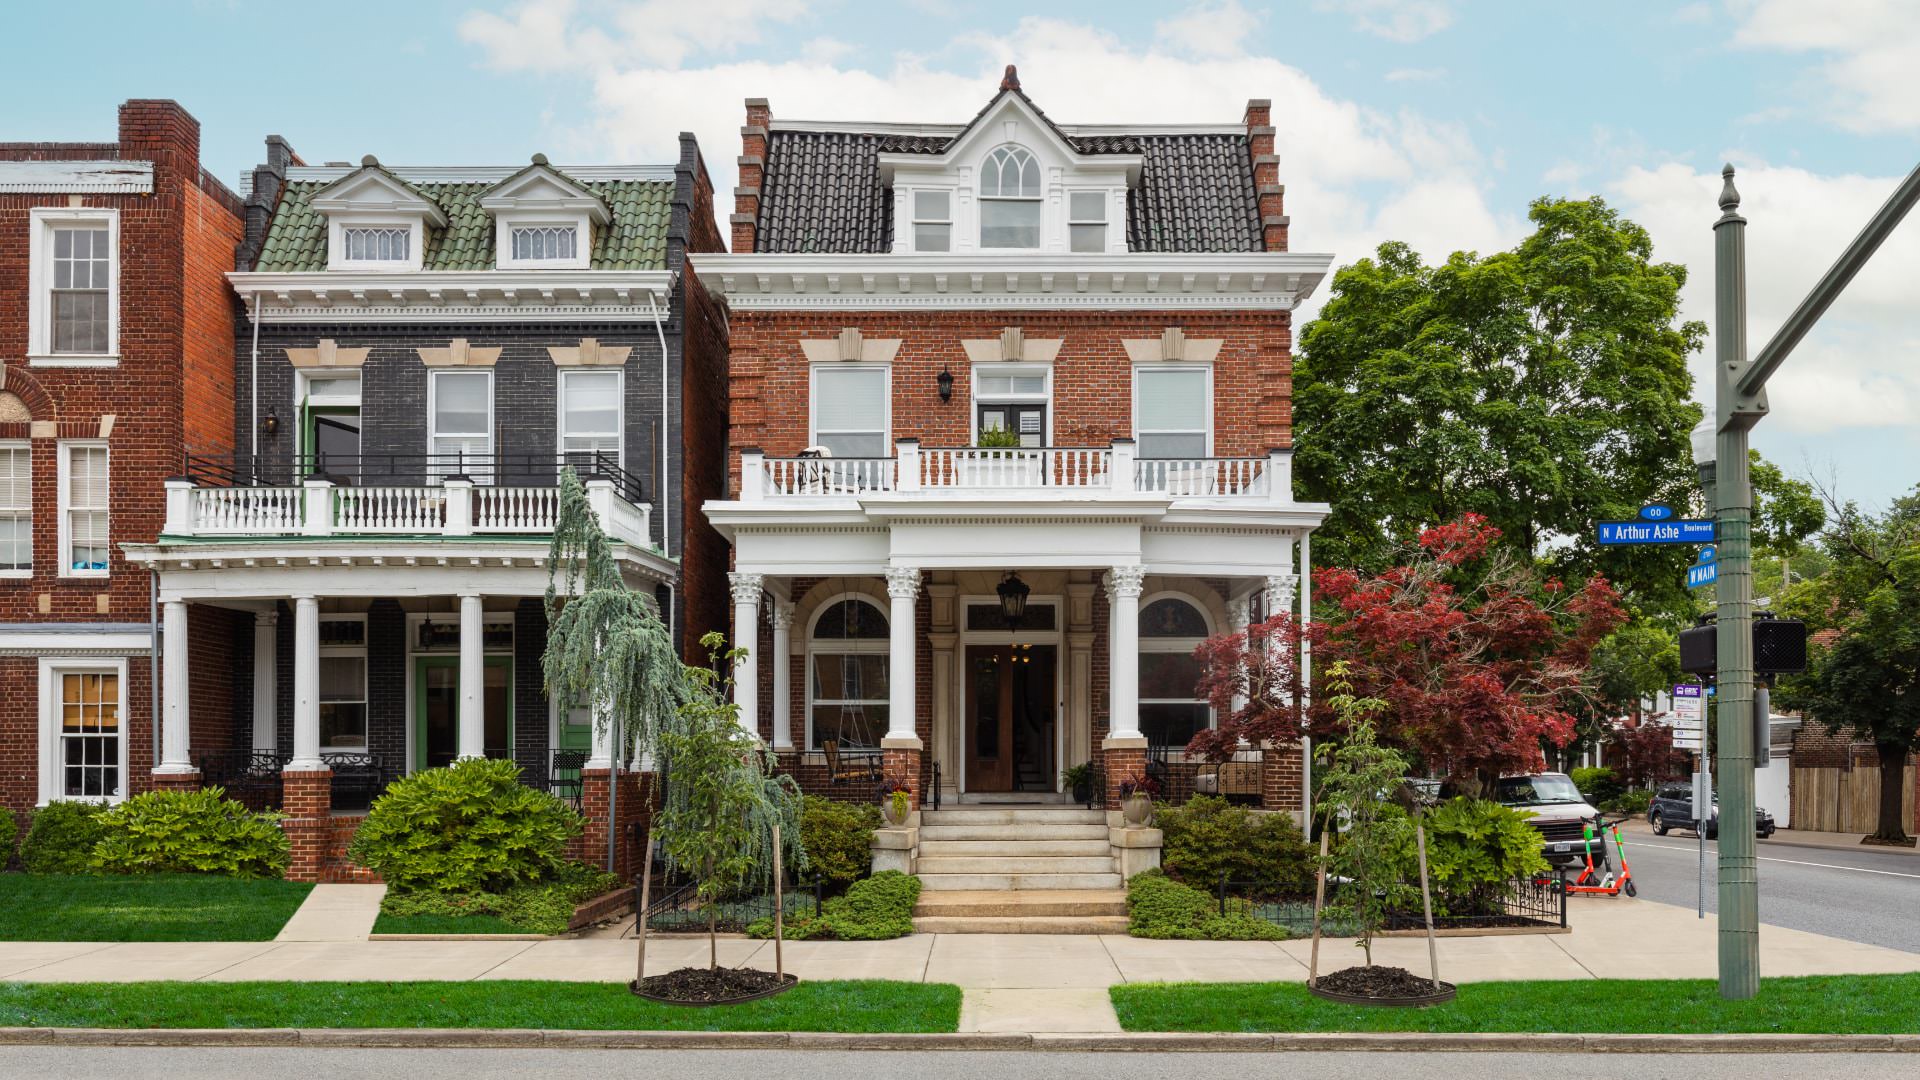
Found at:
[1239, 617]
[903, 587]
[600, 755]
[746, 638]
[782, 674]
[266, 658]
[306, 686]
[473, 677]
[1123, 662]
[175, 756]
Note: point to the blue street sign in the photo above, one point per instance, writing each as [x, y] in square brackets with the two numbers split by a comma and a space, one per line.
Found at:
[1702, 574]
[1707, 554]
[1654, 532]
[1656, 512]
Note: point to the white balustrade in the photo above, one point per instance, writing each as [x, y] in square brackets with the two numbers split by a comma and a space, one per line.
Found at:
[1016, 467]
[453, 508]
[389, 510]
[243, 511]
[1202, 477]
[515, 509]
[828, 476]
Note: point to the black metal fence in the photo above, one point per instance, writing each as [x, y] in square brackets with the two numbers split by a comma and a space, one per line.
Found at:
[1523, 903]
[364, 470]
[677, 908]
[1181, 776]
[253, 777]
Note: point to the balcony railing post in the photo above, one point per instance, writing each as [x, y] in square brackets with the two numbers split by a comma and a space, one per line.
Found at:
[907, 453]
[319, 507]
[1122, 478]
[459, 494]
[179, 507]
[1279, 476]
[600, 496]
[753, 474]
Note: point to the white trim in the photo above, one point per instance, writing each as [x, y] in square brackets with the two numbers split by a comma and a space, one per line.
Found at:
[1015, 369]
[76, 177]
[357, 296]
[433, 425]
[1206, 369]
[1056, 637]
[481, 174]
[338, 223]
[41, 223]
[880, 646]
[359, 651]
[506, 221]
[1181, 646]
[886, 401]
[63, 507]
[26, 445]
[64, 643]
[950, 130]
[49, 729]
[619, 404]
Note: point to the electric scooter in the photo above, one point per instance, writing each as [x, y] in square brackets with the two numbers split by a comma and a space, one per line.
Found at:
[1600, 880]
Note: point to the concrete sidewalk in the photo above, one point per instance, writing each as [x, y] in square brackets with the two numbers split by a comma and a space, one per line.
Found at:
[1790, 838]
[335, 913]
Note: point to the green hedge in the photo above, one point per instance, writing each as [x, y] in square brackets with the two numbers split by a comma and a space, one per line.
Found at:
[61, 838]
[9, 832]
[545, 908]
[838, 837]
[470, 827]
[190, 832]
[1160, 907]
[872, 909]
[1209, 838]
[1600, 785]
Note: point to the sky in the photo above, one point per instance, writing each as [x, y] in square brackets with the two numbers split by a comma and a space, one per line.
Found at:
[1434, 122]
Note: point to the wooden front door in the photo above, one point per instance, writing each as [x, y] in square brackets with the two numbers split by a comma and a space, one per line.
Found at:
[1010, 717]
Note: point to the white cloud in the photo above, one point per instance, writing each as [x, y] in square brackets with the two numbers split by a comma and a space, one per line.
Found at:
[1415, 74]
[1220, 29]
[1851, 371]
[1396, 20]
[1872, 49]
[566, 35]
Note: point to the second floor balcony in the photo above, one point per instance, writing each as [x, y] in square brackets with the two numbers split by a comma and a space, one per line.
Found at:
[1051, 472]
[397, 495]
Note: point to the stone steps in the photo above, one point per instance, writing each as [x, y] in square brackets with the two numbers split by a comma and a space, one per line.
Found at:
[957, 833]
[1021, 865]
[1014, 848]
[1039, 903]
[952, 882]
[1024, 924]
[1014, 815]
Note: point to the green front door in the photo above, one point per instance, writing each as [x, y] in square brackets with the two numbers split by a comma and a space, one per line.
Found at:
[436, 709]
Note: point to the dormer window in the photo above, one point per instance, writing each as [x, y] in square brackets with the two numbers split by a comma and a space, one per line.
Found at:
[376, 245]
[543, 219]
[1010, 199]
[545, 243]
[375, 220]
[1087, 221]
[933, 221]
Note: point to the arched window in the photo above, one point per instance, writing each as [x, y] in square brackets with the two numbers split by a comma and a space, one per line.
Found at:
[847, 673]
[1010, 199]
[1171, 709]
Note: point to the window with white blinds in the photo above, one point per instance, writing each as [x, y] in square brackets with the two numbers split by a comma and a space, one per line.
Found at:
[1173, 411]
[460, 408]
[16, 509]
[590, 413]
[83, 509]
[850, 410]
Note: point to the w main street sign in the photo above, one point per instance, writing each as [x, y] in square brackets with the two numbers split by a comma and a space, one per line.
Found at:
[1683, 531]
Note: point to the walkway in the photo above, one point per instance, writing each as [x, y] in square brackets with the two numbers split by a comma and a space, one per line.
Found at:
[1027, 983]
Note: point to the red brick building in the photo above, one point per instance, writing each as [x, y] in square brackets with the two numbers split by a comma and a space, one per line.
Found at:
[1007, 364]
[116, 359]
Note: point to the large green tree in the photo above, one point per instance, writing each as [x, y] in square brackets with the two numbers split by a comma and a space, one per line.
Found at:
[1865, 678]
[1543, 387]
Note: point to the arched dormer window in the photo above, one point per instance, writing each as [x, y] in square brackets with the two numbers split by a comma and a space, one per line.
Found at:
[1010, 199]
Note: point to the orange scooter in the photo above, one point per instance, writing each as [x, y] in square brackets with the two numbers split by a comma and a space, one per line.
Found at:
[1600, 880]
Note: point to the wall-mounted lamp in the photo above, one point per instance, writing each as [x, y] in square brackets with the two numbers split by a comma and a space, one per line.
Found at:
[271, 424]
[1013, 599]
[944, 380]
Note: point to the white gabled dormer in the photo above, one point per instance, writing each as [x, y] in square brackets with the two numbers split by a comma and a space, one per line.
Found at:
[542, 220]
[375, 220]
[1010, 182]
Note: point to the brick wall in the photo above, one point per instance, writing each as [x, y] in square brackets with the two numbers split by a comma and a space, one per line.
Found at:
[702, 346]
[387, 704]
[530, 727]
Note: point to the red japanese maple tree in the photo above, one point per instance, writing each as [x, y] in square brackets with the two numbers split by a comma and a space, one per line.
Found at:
[1651, 757]
[1479, 660]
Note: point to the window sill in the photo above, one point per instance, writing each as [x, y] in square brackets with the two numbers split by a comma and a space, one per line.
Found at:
[56, 360]
[87, 575]
[15, 575]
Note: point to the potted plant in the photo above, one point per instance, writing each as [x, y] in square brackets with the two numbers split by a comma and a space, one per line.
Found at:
[1079, 780]
[1136, 798]
[896, 800]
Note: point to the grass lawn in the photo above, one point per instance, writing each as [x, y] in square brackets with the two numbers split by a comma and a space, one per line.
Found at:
[1823, 1004]
[857, 1006]
[446, 924]
[158, 907]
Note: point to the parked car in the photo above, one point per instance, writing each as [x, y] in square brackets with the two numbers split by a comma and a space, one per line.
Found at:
[1556, 808]
[1672, 808]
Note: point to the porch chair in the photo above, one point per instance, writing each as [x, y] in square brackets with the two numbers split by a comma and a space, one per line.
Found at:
[853, 768]
[563, 779]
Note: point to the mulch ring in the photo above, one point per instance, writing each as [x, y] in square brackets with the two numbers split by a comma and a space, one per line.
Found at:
[712, 986]
[1379, 985]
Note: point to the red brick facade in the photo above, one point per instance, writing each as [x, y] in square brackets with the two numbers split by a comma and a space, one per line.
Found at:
[170, 392]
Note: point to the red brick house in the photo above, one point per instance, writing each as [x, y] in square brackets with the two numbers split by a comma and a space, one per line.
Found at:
[1006, 363]
[116, 359]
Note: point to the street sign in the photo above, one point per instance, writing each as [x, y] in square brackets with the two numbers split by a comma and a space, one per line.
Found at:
[1702, 574]
[1687, 717]
[1656, 512]
[1707, 554]
[1683, 531]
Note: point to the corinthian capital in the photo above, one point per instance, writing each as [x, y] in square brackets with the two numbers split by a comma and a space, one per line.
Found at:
[903, 582]
[1126, 580]
[745, 587]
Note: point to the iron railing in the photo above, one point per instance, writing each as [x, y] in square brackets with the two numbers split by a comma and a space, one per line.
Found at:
[1181, 775]
[677, 907]
[1538, 902]
[383, 470]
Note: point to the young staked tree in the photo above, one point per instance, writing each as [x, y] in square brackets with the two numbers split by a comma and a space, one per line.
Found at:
[1357, 777]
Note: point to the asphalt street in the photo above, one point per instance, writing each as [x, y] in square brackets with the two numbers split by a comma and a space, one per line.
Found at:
[118, 1063]
[1865, 896]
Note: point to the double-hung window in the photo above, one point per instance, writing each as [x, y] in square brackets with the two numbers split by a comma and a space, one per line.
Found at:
[590, 416]
[343, 683]
[850, 410]
[83, 509]
[460, 410]
[1173, 410]
[72, 316]
[1087, 221]
[85, 729]
[933, 221]
[1010, 199]
[16, 509]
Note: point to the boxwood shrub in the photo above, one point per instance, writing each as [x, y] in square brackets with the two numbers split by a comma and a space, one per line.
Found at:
[190, 832]
[61, 838]
[1209, 837]
[1160, 907]
[470, 827]
[872, 909]
[838, 837]
[9, 832]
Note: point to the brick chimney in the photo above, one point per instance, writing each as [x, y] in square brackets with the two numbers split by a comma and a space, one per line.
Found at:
[753, 163]
[1266, 174]
[263, 195]
[162, 132]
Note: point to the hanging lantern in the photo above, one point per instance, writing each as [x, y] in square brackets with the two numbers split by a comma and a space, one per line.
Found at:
[1013, 599]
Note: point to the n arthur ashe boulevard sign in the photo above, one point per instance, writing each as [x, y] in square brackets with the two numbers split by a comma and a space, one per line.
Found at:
[1656, 525]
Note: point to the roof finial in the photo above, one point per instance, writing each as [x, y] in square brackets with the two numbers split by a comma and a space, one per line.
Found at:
[1011, 80]
[1729, 198]
[369, 162]
[539, 159]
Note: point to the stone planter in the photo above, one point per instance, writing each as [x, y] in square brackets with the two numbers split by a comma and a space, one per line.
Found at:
[895, 815]
[1136, 809]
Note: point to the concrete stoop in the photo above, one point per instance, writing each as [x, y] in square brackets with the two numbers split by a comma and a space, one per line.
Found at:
[1018, 870]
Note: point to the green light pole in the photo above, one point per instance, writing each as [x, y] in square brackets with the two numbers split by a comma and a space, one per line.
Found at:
[1740, 400]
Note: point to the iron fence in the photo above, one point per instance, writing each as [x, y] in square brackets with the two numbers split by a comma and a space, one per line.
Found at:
[1181, 776]
[1523, 903]
[677, 908]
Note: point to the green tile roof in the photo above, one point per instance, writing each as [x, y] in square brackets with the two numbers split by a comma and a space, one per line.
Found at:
[636, 239]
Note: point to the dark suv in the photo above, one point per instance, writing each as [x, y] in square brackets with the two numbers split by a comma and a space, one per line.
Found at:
[1672, 808]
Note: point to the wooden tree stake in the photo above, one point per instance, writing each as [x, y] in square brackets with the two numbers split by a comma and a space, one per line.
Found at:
[1426, 899]
[779, 907]
[1319, 901]
[640, 918]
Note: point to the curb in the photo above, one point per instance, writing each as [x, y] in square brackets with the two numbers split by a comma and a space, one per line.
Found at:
[523, 1038]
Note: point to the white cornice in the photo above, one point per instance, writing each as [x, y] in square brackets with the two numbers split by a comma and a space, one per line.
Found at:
[455, 296]
[76, 177]
[482, 174]
[1218, 281]
[938, 131]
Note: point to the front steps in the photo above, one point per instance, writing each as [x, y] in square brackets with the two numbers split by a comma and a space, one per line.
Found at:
[1017, 870]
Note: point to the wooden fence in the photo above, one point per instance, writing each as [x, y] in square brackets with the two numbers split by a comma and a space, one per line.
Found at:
[1845, 800]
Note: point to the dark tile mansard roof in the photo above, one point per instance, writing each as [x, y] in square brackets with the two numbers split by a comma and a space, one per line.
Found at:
[821, 191]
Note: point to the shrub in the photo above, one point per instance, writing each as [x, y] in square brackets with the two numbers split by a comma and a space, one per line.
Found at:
[838, 837]
[190, 832]
[1600, 785]
[1208, 838]
[545, 908]
[873, 909]
[1632, 803]
[470, 827]
[1160, 907]
[9, 830]
[1475, 848]
[61, 838]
